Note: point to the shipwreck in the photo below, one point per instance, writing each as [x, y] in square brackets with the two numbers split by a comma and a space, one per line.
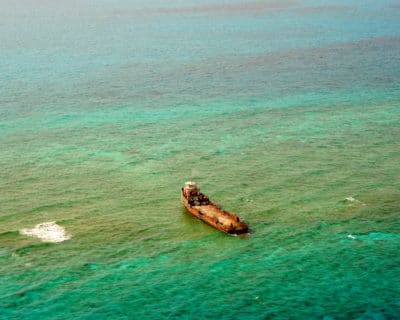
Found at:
[204, 209]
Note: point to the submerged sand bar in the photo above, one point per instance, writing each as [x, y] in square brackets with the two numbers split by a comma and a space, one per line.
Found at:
[47, 232]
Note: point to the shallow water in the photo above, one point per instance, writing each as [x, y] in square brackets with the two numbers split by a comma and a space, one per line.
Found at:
[286, 113]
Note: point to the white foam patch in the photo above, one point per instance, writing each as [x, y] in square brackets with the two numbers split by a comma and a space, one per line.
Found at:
[351, 199]
[47, 232]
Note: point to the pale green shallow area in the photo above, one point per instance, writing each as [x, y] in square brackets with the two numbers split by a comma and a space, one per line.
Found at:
[287, 114]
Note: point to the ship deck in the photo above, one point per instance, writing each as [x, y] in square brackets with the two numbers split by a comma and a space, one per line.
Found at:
[214, 212]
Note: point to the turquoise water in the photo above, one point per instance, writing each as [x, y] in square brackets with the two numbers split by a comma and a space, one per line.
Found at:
[286, 113]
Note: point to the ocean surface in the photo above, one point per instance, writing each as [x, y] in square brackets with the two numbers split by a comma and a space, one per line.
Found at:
[284, 112]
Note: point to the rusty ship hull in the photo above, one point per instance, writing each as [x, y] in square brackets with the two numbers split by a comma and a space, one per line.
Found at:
[213, 215]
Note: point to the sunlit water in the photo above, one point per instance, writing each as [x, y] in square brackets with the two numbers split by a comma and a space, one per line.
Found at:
[286, 113]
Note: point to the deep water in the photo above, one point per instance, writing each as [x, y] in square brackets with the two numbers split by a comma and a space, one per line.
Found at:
[285, 112]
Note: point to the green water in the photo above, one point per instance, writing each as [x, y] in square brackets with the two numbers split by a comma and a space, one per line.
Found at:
[287, 114]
